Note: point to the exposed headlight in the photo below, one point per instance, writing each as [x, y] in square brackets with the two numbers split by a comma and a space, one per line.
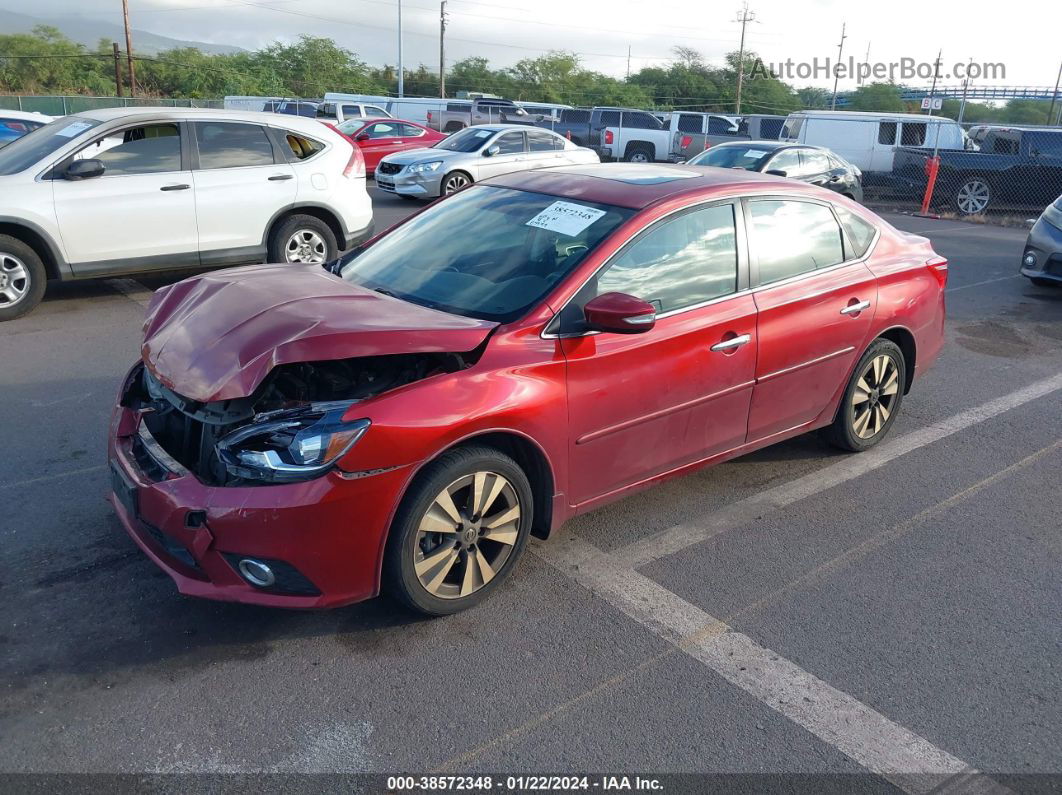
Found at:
[288, 446]
[417, 168]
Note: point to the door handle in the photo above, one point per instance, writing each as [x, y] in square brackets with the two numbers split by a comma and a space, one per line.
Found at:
[853, 309]
[175, 187]
[281, 177]
[733, 342]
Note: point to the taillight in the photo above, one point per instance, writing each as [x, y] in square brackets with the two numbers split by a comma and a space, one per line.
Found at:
[608, 136]
[429, 117]
[938, 266]
[356, 165]
[686, 140]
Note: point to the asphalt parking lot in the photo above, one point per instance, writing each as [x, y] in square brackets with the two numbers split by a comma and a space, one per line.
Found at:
[794, 611]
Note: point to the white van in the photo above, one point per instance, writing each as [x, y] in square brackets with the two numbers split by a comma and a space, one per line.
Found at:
[408, 108]
[869, 140]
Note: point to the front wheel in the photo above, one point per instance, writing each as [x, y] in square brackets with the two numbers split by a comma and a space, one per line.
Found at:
[22, 278]
[303, 238]
[459, 531]
[454, 182]
[973, 196]
[872, 399]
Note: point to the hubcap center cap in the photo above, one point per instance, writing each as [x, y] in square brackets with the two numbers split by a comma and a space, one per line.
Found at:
[469, 534]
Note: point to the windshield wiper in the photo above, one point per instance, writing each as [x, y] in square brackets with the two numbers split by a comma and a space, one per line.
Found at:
[382, 291]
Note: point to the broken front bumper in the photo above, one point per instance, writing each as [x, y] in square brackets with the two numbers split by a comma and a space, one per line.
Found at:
[323, 537]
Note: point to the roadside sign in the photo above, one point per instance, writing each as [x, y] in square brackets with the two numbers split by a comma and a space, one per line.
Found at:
[932, 103]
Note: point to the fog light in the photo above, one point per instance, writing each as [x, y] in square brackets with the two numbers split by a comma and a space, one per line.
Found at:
[1029, 261]
[256, 572]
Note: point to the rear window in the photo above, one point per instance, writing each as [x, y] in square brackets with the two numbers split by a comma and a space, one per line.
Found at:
[575, 116]
[610, 118]
[302, 147]
[690, 123]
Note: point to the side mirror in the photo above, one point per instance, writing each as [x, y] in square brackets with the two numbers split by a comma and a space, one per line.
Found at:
[362, 137]
[84, 169]
[619, 313]
[775, 172]
[492, 150]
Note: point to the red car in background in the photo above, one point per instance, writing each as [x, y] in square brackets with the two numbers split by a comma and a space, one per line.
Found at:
[377, 138]
[525, 350]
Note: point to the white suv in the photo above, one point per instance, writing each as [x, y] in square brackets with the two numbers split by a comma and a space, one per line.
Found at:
[133, 190]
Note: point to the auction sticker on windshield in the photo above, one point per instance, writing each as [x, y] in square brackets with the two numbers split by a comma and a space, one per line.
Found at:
[70, 130]
[566, 218]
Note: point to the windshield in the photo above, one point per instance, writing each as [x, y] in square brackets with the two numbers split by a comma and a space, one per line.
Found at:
[24, 152]
[747, 157]
[488, 253]
[469, 139]
[351, 126]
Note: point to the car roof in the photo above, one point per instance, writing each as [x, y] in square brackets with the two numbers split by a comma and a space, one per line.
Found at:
[864, 114]
[637, 186]
[762, 145]
[302, 123]
[25, 115]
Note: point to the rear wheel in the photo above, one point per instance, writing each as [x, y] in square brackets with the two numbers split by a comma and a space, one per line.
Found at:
[459, 531]
[872, 399]
[303, 238]
[638, 154]
[973, 196]
[22, 278]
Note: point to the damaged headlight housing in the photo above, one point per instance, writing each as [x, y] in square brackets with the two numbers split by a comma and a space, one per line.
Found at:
[289, 446]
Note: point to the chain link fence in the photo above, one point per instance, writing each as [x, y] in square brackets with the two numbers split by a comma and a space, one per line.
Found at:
[65, 105]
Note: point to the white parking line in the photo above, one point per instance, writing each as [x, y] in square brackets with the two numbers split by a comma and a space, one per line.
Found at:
[132, 289]
[986, 281]
[881, 746]
[674, 539]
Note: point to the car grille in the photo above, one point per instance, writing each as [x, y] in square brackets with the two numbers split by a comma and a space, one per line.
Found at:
[388, 168]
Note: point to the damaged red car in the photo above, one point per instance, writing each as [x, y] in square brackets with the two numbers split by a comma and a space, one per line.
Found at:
[523, 351]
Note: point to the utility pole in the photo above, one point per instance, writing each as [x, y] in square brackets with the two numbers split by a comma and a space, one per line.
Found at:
[1054, 97]
[629, 67]
[933, 88]
[837, 66]
[442, 49]
[744, 17]
[129, 48]
[401, 69]
[965, 90]
[117, 68]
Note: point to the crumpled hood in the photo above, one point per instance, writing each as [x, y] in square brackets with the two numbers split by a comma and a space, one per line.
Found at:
[216, 336]
[423, 156]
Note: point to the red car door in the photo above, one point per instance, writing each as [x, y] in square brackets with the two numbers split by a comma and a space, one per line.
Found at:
[377, 140]
[815, 311]
[643, 404]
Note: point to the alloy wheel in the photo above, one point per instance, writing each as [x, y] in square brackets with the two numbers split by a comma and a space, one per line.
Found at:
[14, 280]
[455, 182]
[306, 245]
[466, 535]
[875, 396]
[973, 196]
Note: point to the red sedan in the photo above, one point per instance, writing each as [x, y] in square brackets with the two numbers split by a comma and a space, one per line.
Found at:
[525, 350]
[378, 138]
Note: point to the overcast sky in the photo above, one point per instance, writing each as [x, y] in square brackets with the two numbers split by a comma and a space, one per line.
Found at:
[1025, 40]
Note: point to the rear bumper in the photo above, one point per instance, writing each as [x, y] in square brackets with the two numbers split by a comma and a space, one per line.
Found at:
[359, 237]
[1042, 256]
[325, 536]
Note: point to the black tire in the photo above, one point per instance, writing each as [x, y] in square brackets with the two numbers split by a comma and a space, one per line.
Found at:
[1044, 282]
[400, 578]
[449, 183]
[638, 154]
[295, 224]
[453, 126]
[23, 275]
[844, 433]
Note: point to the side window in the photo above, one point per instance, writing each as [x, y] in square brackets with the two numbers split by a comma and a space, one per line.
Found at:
[610, 118]
[540, 141]
[641, 121]
[510, 143]
[887, 133]
[680, 262]
[384, 129]
[788, 160]
[326, 111]
[232, 145]
[718, 126]
[351, 112]
[301, 147]
[814, 162]
[858, 233]
[575, 116]
[152, 149]
[409, 131]
[690, 123]
[793, 237]
[770, 128]
[373, 110]
[913, 133]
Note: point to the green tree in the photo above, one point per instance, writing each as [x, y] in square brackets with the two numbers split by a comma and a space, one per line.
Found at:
[879, 97]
